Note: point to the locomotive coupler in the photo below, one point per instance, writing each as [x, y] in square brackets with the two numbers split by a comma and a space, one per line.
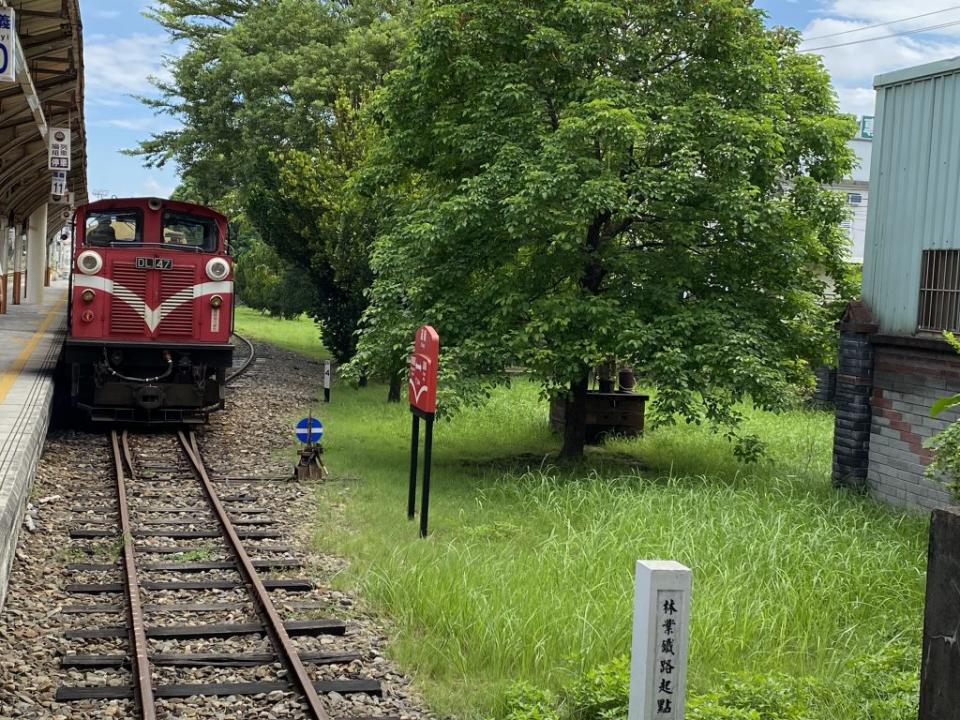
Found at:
[149, 397]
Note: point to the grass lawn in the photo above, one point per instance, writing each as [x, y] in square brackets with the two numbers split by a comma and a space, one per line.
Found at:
[527, 574]
[300, 335]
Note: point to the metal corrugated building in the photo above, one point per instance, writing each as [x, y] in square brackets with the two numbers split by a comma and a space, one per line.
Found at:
[893, 361]
[914, 186]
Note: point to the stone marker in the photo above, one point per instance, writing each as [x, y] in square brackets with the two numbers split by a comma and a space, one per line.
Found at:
[940, 667]
[661, 635]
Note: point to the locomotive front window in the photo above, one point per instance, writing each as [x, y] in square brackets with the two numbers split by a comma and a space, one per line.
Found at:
[114, 227]
[189, 231]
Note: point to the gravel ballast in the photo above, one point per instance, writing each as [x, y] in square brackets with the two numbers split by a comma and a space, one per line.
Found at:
[245, 441]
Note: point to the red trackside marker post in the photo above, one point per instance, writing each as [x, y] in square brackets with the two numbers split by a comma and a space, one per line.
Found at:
[422, 394]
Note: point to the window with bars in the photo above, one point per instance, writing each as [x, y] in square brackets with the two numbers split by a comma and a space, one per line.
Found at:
[939, 291]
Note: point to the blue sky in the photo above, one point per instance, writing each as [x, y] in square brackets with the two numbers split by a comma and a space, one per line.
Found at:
[122, 48]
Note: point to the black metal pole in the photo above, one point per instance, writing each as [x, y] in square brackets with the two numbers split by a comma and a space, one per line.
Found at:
[414, 443]
[425, 502]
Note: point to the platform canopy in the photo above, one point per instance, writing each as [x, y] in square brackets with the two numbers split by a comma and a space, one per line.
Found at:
[48, 93]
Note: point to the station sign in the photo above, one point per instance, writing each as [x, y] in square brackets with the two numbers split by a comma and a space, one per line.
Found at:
[422, 390]
[8, 46]
[58, 183]
[65, 198]
[58, 141]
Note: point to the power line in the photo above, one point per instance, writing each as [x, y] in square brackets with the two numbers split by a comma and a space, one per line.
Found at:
[888, 22]
[884, 37]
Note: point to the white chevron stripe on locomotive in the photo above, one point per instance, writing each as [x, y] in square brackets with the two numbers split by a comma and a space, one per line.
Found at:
[152, 316]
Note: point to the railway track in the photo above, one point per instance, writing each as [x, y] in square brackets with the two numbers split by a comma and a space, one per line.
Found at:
[175, 537]
[247, 361]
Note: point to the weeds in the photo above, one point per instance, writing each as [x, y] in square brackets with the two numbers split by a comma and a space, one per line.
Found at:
[300, 335]
[527, 574]
[200, 554]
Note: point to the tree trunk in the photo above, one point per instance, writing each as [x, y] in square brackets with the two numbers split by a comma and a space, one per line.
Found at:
[575, 419]
[393, 395]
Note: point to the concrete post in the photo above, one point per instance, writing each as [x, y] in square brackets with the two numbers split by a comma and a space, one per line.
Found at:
[940, 666]
[47, 255]
[4, 253]
[661, 635]
[18, 241]
[36, 254]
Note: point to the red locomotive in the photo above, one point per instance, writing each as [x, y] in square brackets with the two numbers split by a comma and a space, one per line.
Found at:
[151, 311]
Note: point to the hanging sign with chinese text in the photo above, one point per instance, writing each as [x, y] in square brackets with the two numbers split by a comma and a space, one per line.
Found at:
[58, 183]
[8, 46]
[59, 148]
[424, 362]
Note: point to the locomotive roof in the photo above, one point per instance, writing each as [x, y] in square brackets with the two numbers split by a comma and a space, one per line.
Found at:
[179, 205]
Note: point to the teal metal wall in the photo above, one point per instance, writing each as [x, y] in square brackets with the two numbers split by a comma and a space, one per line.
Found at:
[914, 187]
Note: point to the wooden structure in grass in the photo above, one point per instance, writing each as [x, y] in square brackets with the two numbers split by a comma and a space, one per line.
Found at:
[608, 413]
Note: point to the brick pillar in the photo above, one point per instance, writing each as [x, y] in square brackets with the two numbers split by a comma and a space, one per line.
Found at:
[851, 434]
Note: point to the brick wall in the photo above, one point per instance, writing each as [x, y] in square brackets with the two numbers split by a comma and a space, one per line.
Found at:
[906, 382]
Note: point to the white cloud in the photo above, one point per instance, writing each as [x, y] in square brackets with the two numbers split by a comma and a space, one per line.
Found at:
[857, 100]
[885, 11]
[152, 187]
[853, 64]
[136, 124]
[106, 102]
[123, 65]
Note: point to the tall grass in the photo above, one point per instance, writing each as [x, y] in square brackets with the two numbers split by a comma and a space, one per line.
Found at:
[527, 574]
[299, 335]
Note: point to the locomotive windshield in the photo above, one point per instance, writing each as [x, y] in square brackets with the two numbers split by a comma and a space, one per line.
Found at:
[110, 227]
[178, 230]
[189, 231]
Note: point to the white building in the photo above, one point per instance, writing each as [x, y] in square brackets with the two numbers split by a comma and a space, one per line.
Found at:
[857, 188]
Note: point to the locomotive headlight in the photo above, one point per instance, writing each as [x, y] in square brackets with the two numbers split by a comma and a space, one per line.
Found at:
[218, 269]
[90, 262]
[88, 296]
[216, 301]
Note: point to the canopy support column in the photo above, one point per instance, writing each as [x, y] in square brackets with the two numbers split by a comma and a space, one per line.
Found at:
[4, 254]
[18, 239]
[36, 254]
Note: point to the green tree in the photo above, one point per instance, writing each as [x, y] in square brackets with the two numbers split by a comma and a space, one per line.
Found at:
[269, 94]
[579, 180]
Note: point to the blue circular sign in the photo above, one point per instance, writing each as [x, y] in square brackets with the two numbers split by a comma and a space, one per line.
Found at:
[309, 430]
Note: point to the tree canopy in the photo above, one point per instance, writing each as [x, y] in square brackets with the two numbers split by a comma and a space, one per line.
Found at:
[572, 181]
[553, 184]
[269, 94]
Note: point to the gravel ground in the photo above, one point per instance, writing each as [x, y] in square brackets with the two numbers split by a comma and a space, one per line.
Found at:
[246, 441]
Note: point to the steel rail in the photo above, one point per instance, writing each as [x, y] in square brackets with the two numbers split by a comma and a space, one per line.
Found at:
[284, 648]
[143, 687]
[251, 356]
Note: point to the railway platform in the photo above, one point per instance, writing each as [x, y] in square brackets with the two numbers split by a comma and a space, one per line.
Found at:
[31, 337]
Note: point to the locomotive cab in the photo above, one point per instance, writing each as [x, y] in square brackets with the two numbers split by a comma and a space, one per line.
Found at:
[151, 311]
